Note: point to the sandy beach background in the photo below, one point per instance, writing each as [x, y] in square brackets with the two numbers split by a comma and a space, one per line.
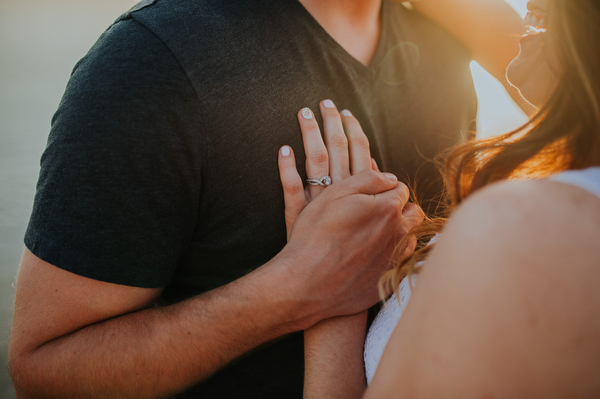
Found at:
[40, 42]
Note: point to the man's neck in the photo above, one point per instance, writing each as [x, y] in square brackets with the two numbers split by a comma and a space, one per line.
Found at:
[354, 24]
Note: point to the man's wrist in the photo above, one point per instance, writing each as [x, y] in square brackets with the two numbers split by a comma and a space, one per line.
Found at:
[285, 293]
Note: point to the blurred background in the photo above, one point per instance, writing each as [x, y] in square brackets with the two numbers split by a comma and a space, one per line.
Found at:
[40, 42]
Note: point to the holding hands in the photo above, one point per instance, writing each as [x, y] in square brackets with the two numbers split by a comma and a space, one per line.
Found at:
[341, 155]
[351, 227]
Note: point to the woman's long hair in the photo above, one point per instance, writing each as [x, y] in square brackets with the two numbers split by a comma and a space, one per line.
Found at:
[564, 134]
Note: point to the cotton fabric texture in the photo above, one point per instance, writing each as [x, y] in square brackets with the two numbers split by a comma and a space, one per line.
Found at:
[161, 164]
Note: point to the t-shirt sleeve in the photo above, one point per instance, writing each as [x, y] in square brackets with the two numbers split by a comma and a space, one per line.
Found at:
[118, 192]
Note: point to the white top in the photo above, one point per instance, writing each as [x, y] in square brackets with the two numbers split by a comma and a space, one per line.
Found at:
[385, 322]
[381, 330]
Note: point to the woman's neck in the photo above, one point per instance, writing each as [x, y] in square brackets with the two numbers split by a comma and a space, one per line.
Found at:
[354, 24]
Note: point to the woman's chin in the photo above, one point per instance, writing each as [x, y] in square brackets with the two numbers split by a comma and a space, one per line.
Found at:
[514, 73]
[536, 84]
[518, 74]
[530, 72]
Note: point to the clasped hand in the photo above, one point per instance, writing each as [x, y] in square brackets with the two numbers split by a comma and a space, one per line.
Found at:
[342, 236]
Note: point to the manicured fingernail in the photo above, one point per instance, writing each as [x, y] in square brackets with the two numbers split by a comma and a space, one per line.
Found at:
[306, 113]
[328, 104]
[391, 176]
[285, 151]
[346, 113]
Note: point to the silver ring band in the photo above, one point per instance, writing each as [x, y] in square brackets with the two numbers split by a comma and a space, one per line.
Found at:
[323, 181]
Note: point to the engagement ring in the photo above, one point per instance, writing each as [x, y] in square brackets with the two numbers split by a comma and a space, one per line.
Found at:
[323, 181]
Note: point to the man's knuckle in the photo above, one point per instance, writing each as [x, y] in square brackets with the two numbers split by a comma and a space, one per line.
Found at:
[403, 191]
[392, 209]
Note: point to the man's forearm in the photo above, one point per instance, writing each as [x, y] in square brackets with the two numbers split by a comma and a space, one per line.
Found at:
[77, 337]
[159, 351]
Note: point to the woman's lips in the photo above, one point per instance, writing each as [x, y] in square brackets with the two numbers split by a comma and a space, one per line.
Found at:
[535, 21]
[532, 33]
[528, 37]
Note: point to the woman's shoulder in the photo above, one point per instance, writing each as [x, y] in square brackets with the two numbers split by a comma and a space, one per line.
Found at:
[567, 202]
[536, 243]
[509, 293]
[547, 222]
[529, 246]
[532, 222]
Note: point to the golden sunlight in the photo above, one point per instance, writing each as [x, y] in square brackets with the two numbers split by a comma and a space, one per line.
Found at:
[497, 112]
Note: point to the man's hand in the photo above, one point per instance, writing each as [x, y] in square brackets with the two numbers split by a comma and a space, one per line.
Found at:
[76, 337]
[79, 338]
[345, 240]
[351, 227]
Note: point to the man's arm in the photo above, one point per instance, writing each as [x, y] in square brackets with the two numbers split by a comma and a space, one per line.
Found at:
[333, 348]
[76, 337]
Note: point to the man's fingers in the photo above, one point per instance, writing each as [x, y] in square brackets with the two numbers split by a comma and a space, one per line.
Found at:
[293, 190]
[317, 158]
[368, 182]
[412, 216]
[336, 142]
[374, 165]
[360, 153]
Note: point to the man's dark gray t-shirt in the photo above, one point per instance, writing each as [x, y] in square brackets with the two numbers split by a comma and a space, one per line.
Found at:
[161, 165]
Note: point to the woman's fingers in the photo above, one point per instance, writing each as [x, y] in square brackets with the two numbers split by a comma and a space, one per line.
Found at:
[342, 151]
[317, 158]
[293, 189]
[336, 142]
[360, 154]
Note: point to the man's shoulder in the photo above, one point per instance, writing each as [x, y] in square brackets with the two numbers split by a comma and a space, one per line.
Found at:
[208, 31]
[200, 17]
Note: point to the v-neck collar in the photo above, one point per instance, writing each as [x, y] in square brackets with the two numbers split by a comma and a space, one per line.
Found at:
[380, 50]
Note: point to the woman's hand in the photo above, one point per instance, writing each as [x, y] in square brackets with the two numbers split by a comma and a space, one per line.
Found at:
[335, 343]
[333, 347]
[345, 152]
[354, 210]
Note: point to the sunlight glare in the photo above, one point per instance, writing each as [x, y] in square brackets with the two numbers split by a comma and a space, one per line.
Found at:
[497, 112]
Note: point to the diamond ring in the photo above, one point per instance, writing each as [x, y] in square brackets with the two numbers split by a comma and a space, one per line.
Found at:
[323, 181]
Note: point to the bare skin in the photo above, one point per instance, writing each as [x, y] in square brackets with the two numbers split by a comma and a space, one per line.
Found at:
[75, 337]
[490, 30]
[537, 69]
[506, 306]
[353, 24]
[344, 151]
[517, 307]
[508, 317]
